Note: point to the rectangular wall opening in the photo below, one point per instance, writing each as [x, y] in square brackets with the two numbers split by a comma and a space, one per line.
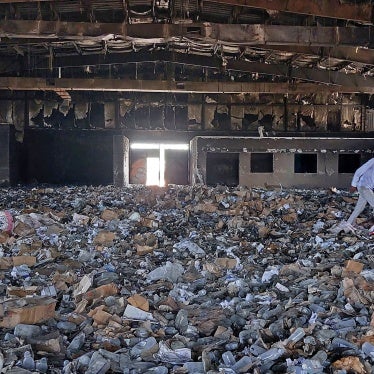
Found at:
[348, 162]
[158, 164]
[305, 163]
[222, 168]
[262, 163]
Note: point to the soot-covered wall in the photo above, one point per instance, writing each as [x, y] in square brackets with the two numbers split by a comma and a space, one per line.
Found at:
[4, 154]
[68, 157]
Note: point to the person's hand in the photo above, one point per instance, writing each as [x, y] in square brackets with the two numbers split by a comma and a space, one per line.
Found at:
[352, 189]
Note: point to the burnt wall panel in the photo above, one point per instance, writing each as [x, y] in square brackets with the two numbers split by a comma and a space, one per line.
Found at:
[4, 155]
[69, 157]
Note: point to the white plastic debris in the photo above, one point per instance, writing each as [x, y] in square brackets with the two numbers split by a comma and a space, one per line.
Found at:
[133, 313]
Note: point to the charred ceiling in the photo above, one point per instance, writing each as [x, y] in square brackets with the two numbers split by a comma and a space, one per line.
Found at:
[180, 46]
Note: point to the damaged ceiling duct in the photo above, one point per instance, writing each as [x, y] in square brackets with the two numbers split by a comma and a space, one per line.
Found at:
[243, 41]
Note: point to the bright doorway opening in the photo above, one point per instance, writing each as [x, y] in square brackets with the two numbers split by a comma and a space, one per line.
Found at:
[158, 164]
[153, 171]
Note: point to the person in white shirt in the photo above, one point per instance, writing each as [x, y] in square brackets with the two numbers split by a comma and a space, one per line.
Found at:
[363, 182]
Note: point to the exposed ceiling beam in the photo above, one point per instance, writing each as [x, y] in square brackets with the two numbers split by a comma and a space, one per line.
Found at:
[121, 85]
[283, 70]
[212, 33]
[321, 8]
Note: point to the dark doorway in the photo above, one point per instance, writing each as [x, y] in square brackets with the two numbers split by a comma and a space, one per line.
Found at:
[222, 168]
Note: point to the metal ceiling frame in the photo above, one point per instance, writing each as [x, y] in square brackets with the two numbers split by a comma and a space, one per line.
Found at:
[122, 85]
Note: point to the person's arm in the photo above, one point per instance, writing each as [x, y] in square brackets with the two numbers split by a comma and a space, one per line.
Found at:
[360, 171]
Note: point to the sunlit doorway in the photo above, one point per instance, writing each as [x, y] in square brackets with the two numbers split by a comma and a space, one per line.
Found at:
[159, 164]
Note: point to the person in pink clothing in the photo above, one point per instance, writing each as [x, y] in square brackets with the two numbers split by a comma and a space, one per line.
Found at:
[363, 182]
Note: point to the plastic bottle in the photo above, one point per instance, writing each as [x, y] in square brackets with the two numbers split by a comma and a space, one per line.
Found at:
[77, 343]
[272, 354]
[243, 365]
[320, 356]
[368, 349]
[42, 365]
[296, 336]
[228, 358]
[28, 362]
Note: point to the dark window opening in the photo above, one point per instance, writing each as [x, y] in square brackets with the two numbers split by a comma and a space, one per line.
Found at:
[262, 163]
[348, 163]
[222, 168]
[305, 163]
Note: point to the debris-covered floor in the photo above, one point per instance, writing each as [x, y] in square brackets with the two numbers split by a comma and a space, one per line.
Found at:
[184, 280]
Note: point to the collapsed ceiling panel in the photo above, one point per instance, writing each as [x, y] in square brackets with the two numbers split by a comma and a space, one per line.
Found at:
[324, 42]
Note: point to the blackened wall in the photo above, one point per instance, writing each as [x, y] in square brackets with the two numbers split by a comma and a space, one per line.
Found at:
[68, 157]
[4, 155]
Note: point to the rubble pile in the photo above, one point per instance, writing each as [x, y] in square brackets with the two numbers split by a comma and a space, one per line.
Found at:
[184, 279]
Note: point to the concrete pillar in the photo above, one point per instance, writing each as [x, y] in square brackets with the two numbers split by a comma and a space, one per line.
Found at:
[120, 161]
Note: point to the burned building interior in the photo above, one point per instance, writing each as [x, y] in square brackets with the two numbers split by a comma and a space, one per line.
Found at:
[81, 81]
[251, 115]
